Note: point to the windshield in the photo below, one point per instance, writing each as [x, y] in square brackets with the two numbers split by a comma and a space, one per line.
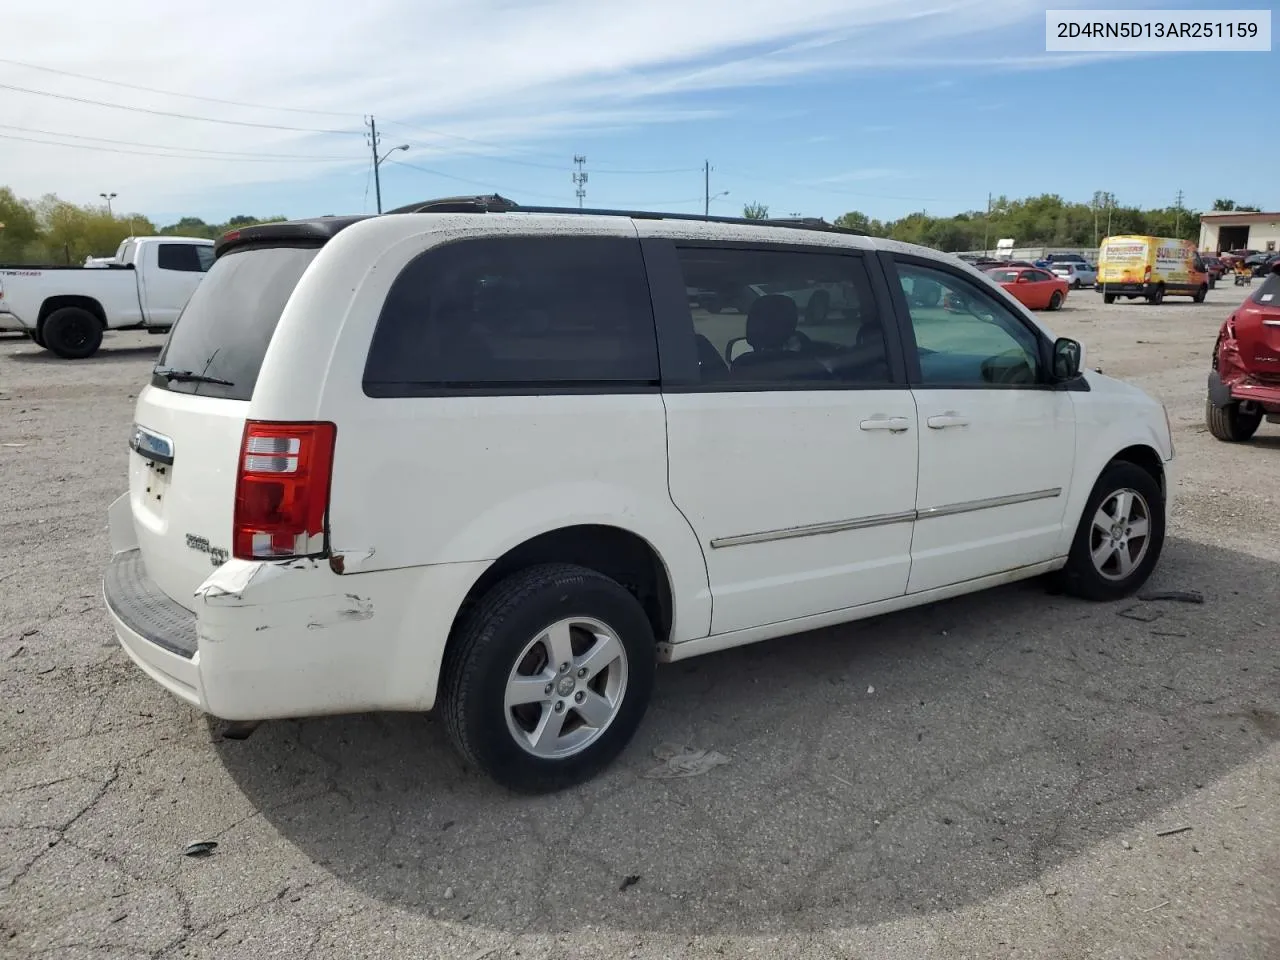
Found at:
[224, 330]
[1003, 276]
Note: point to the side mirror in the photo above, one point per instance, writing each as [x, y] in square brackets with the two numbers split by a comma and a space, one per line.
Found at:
[1068, 359]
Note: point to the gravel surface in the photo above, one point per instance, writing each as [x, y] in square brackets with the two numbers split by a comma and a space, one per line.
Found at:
[1001, 793]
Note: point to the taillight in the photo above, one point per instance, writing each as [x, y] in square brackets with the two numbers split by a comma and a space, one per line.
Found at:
[1146, 272]
[282, 489]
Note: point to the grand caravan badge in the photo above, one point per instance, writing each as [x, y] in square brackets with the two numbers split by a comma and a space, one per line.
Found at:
[217, 555]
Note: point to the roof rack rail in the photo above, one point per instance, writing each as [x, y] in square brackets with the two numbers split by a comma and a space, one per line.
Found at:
[496, 203]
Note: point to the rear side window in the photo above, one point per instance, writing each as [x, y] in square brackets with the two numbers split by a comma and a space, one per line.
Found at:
[225, 327]
[511, 314]
[183, 256]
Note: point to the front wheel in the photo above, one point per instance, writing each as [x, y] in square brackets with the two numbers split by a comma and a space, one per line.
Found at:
[1157, 296]
[1229, 423]
[548, 677]
[1120, 536]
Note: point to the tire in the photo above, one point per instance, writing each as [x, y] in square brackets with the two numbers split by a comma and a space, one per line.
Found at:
[72, 333]
[1055, 301]
[1084, 578]
[507, 636]
[1201, 294]
[1075, 284]
[1108, 298]
[1229, 424]
[37, 338]
[1157, 297]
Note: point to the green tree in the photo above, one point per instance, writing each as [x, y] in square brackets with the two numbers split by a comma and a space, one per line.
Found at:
[19, 228]
[756, 211]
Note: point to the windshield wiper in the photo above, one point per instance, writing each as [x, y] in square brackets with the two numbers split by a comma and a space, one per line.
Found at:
[190, 376]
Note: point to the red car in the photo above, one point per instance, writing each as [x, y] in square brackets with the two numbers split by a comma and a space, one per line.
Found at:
[1031, 286]
[1244, 383]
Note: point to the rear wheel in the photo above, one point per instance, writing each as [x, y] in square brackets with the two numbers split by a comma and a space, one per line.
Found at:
[72, 333]
[1120, 536]
[1108, 298]
[1201, 294]
[548, 677]
[1055, 301]
[37, 338]
[1230, 423]
[1156, 296]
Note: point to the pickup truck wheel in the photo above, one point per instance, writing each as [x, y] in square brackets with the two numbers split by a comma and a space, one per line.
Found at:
[547, 678]
[1229, 423]
[37, 338]
[72, 333]
[1120, 536]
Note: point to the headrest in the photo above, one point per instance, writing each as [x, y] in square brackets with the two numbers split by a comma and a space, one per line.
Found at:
[771, 322]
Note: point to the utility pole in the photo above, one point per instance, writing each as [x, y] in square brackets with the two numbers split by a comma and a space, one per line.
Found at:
[986, 226]
[706, 188]
[374, 140]
[1177, 217]
[373, 149]
[108, 197]
[580, 178]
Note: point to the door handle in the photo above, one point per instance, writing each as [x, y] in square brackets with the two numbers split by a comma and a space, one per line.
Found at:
[947, 420]
[892, 424]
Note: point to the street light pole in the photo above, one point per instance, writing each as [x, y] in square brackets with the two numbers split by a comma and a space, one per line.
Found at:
[108, 197]
[377, 180]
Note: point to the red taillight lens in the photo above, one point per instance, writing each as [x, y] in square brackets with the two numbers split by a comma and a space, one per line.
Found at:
[282, 489]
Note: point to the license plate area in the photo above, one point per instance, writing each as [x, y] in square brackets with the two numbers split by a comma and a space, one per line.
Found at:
[154, 453]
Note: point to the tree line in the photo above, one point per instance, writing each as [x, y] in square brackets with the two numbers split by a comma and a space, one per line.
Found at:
[54, 231]
[1047, 220]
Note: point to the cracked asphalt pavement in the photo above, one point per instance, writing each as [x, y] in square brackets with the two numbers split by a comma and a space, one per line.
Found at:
[1005, 791]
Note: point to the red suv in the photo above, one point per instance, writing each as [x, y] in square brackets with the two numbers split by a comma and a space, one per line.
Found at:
[1244, 384]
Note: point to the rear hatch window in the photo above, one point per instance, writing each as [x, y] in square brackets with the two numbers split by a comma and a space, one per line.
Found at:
[1268, 295]
[217, 345]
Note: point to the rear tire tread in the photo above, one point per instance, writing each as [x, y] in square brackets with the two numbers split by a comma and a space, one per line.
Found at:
[1229, 424]
[462, 672]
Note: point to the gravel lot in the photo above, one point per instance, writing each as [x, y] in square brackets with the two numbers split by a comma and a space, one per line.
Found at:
[1001, 793]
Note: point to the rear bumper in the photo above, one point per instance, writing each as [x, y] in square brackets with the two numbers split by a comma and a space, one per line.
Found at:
[10, 322]
[270, 640]
[1265, 395]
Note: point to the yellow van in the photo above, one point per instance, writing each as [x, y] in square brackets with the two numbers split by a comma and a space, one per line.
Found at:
[1151, 268]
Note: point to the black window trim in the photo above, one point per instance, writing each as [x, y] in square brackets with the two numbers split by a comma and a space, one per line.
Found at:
[677, 353]
[889, 262]
[413, 390]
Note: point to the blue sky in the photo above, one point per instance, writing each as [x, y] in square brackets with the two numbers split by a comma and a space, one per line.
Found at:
[815, 107]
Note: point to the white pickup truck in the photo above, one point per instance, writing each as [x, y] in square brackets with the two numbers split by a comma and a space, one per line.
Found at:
[66, 310]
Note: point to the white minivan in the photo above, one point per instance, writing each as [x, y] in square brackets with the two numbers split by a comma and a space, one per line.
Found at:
[499, 462]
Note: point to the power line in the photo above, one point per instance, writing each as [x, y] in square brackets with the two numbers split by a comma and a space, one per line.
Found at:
[168, 113]
[173, 93]
[525, 163]
[160, 146]
[167, 156]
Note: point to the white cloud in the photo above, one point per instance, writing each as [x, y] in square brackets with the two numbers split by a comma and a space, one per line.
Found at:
[510, 72]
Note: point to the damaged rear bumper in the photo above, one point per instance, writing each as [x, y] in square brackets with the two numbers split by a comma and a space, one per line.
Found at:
[1244, 389]
[262, 641]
